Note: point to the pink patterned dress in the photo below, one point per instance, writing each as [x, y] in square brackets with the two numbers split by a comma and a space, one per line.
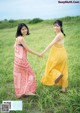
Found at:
[24, 77]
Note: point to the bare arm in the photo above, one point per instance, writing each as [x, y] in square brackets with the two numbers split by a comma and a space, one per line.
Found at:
[14, 45]
[22, 41]
[56, 39]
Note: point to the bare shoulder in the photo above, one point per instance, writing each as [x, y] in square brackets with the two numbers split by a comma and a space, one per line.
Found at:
[60, 36]
[20, 38]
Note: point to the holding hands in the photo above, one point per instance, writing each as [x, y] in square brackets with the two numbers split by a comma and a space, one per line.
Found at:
[40, 54]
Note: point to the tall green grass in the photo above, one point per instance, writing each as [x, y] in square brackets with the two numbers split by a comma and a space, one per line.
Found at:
[49, 99]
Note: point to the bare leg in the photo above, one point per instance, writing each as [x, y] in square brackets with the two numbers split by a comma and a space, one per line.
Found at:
[57, 80]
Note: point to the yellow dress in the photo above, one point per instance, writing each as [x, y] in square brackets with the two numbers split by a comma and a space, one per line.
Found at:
[56, 65]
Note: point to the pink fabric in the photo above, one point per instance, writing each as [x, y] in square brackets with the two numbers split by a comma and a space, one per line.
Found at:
[24, 77]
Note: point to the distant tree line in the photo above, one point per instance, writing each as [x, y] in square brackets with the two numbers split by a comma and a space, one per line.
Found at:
[13, 23]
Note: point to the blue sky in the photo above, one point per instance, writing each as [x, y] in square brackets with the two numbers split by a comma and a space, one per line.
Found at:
[45, 9]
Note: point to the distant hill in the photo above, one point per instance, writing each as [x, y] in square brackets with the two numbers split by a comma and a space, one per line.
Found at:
[13, 23]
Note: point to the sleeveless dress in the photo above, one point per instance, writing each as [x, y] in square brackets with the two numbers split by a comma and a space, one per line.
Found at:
[24, 77]
[56, 65]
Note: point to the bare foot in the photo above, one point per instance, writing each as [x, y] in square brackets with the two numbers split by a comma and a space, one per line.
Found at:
[31, 94]
[63, 90]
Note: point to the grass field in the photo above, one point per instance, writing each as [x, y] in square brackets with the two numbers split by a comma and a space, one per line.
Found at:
[50, 100]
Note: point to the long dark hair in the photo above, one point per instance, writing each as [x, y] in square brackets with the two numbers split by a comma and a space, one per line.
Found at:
[18, 33]
[59, 22]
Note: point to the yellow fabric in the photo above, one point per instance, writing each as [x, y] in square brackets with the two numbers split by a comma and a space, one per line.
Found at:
[56, 65]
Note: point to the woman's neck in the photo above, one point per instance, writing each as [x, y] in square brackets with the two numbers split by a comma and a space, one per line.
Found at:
[58, 32]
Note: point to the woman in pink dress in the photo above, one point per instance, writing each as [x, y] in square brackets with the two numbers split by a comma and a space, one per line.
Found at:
[24, 77]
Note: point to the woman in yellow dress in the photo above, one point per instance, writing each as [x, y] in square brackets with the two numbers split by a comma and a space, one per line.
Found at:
[56, 71]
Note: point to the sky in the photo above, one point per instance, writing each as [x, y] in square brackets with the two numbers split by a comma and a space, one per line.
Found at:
[44, 9]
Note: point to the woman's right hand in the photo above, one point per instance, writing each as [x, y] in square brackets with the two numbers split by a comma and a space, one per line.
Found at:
[40, 55]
